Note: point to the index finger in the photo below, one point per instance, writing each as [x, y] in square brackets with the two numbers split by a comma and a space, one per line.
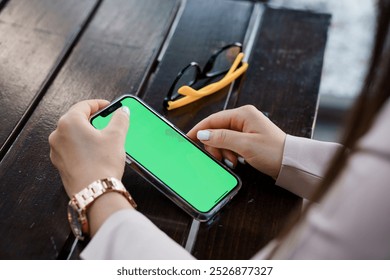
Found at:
[225, 119]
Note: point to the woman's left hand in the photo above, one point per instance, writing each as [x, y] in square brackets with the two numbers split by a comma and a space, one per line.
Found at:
[83, 154]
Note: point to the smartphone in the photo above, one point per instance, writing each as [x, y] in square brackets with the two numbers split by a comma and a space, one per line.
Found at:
[168, 159]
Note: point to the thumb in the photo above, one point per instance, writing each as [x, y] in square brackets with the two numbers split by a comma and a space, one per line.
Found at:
[223, 139]
[119, 123]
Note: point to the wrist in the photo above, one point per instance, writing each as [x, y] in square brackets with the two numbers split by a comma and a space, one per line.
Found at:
[104, 207]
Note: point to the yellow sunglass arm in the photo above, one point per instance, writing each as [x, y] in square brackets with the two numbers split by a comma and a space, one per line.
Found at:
[191, 95]
[214, 87]
[235, 64]
[181, 102]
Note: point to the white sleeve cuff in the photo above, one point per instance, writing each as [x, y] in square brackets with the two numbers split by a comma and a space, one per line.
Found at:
[304, 164]
[127, 234]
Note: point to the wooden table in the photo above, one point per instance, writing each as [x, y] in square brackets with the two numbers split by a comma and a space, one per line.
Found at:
[54, 53]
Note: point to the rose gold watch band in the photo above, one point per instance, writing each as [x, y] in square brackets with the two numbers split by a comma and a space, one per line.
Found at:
[99, 187]
[81, 201]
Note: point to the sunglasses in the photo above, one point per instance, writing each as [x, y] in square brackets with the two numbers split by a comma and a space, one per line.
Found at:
[226, 61]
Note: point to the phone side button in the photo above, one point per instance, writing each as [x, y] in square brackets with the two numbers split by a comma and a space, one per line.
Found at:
[128, 161]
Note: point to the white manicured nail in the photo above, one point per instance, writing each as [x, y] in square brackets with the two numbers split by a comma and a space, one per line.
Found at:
[203, 135]
[228, 163]
[126, 110]
[241, 160]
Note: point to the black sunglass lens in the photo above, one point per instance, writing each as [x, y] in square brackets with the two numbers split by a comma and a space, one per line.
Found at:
[187, 78]
[224, 60]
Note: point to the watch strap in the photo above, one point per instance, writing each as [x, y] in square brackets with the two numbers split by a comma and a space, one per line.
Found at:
[81, 201]
[89, 194]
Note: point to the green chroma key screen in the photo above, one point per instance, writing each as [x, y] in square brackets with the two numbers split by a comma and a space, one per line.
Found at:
[165, 153]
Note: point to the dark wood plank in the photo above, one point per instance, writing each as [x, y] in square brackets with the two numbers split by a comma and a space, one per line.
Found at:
[286, 65]
[118, 48]
[283, 80]
[33, 37]
[205, 26]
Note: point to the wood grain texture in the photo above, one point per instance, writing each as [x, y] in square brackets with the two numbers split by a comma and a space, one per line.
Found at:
[204, 27]
[112, 57]
[32, 36]
[115, 55]
[285, 72]
[283, 80]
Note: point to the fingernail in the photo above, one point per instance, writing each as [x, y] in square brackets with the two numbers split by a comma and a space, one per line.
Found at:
[126, 110]
[241, 160]
[203, 135]
[228, 163]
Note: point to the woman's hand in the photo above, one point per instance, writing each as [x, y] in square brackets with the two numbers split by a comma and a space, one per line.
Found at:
[243, 132]
[83, 154]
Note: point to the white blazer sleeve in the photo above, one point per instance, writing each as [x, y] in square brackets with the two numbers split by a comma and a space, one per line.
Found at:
[127, 234]
[352, 219]
[304, 164]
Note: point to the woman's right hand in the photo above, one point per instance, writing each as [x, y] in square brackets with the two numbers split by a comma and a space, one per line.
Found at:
[243, 132]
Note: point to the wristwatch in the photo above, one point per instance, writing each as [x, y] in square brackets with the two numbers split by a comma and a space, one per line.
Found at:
[80, 202]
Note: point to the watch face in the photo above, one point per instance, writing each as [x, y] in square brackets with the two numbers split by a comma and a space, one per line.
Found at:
[75, 225]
